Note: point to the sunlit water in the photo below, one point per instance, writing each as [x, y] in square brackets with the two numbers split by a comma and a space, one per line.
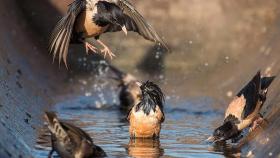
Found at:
[188, 123]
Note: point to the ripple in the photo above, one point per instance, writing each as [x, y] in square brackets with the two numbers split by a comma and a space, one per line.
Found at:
[183, 133]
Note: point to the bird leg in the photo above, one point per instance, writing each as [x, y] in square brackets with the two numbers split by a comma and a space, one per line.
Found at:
[106, 50]
[50, 153]
[89, 46]
[256, 123]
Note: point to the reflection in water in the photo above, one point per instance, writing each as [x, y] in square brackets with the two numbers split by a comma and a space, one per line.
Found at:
[228, 150]
[149, 148]
[187, 124]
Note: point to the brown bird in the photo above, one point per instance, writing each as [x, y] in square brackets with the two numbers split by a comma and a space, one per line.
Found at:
[145, 118]
[70, 141]
[92, 18]
[130, 92]
[244, 110]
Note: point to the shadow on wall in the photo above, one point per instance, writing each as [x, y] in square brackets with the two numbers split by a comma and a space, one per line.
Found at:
[153, 61]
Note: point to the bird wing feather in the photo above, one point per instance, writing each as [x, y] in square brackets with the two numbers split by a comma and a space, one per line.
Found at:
[56, 127]
[139, 24]
[65, 131]
[75, 131]
[61, 35]
[251, 94]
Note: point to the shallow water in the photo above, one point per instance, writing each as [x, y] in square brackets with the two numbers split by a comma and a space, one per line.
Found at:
[188, 123]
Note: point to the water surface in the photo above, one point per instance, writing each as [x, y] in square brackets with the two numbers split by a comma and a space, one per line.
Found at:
[188, 123]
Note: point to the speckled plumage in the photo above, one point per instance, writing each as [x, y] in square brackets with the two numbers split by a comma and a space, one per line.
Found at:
[70, 141]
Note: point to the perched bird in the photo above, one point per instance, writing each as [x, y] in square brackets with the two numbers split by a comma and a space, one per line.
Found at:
[244, 110]
[145, 118]
[92, 18]
[130, 92]
[70, 141]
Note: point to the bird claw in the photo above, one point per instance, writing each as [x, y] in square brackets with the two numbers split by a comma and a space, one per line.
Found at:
[256, 124]
[90, 47]
[106, 51]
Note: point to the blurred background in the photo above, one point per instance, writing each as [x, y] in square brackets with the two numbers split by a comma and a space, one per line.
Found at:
[216, 47]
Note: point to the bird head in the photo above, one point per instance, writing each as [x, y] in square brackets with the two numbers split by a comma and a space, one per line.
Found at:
[151, 97]
[130, 94]
[227, 131]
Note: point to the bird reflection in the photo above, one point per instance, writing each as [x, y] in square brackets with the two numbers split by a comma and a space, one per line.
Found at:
[228, 150]
[149, 148]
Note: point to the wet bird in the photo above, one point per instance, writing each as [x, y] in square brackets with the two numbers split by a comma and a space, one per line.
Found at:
[91, 18]
[130, 92]
[145, 118]
[244, 110]
[70, 141]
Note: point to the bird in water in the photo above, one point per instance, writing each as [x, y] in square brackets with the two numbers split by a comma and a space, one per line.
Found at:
[244, 110]
[70, 141]
[146, 117]
[130, 92]
[88, 19]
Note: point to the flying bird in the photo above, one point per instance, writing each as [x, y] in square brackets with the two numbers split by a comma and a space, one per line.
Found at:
[70, 141]
[146, 117]
[91, 18]
[130, 92]
[244, 110]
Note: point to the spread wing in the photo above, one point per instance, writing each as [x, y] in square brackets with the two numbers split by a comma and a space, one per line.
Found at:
[61, 35]
[139, 24]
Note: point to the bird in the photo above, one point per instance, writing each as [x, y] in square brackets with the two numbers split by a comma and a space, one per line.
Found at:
[244, 110]
[70, 141]
[130, 92]
[146, 117]
[87, 19]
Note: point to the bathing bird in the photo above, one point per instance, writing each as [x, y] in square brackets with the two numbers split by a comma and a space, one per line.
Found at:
[130, 92]
[244, 110]
[146, 117]
[88, 19]
[70, 141]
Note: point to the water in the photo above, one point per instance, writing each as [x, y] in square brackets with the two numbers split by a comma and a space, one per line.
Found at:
[188, 123]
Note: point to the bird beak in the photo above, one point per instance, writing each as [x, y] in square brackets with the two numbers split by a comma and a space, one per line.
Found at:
[124, 30]
[211, 139]
[214, 139]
